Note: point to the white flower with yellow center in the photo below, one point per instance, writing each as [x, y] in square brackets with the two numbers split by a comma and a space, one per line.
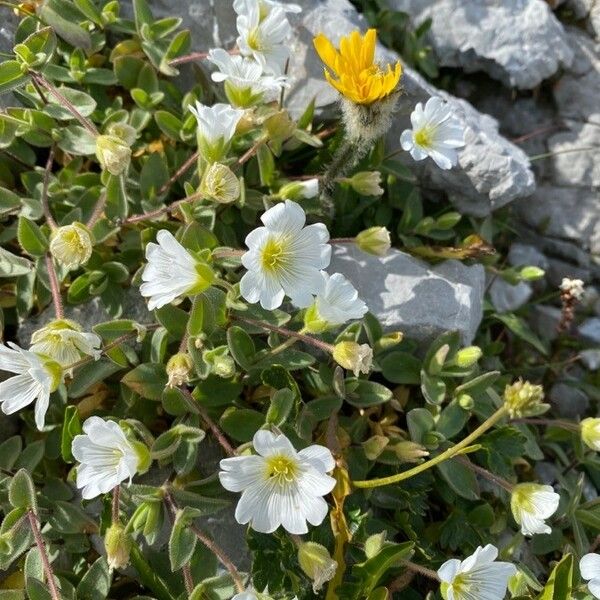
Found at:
[589, 566]
[435, 132]
[71, 245]
[279, 485]
[106, 457]
[285, 258]
[531, 505]
[220, 184]
[36, 377]
[64, 341]
[262, 32]
[216, 128]
[172, 272]
[265, 6]
[243, 78]
[337, 303]
[478, 577]
[353, 356]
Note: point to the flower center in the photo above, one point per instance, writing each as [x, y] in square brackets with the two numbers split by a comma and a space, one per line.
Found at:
[424, 137]
[282, 469]
[254, 40]
[272, 256]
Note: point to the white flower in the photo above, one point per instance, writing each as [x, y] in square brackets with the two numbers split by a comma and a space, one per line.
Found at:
[36, 377]
[589, 566]
[64, 341]
[300, 190]
[335, 304]
[573, 287]
[531, 504]
[71, 245]
[171, 271]
[435, 133]
[106, 457]
[478, 577]
[284, 257]
[354, 357]
[245, 83]
[590, 433]
[265, 6]
[245, 596]
[279, 485]
[262, 34]
[216, 128]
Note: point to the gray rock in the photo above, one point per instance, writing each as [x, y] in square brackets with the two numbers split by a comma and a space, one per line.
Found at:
[87, 315]
[590, 358]
[491, 173]
[544, 319]
[409, 295]
[519, 42]
[521, 255]
[590, 330]
[506, 297]
[570, 402]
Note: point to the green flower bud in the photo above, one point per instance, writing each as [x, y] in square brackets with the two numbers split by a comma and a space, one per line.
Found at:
[179, 367]
[221, 363]
[118, 545]
[300, 190]
[374, 446]
[113, 154]
[375, 240]
[71, 245]
[590, 433]
[316, 562]
[523, 399]
[531, 273]
[410, 452]
[366, 183]
[313, 323]
[354, 357]
[466, 402]
[220, 184]
[467, 357]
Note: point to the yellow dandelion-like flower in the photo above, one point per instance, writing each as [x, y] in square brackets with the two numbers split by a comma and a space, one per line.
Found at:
[352, 70]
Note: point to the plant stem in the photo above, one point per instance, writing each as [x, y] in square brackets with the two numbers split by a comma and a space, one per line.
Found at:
[211, 545]
[188, 580]
[251, 151]
[570, 150]
[343, 160]
[198, 409]
[181, 171]
[194, 56]
[431, 574]
[307, 339]
[54, 288]
[161, 211]
[45, 204]
[500, 481]
[148, 575]
[220, 253]
[436, 460]
[116, 496]
[98, 209]
[43, 82]
[550, 423]
[39, 542]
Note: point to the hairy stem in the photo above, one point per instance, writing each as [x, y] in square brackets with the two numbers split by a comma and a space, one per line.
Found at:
[436, 460]
[179, 173]
[98, 209]
[161, 211]
[54, 288]
[45, 204]
[499, 481]
[39, 542]
[116, 497]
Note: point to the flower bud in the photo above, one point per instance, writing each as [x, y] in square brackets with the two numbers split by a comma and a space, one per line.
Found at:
[375, 240]
[354, 357]
[316, 562]
[467, 357]
[126, 133]
[279, 127]
[220, 184]
[113, 154]
[590, 433]
[466, 402]
[71, 245]
[313, 322]
[531, 273]
[366, 183]
[374, 446]
[300, 190]
[389, 340]
[410, 452]
[118, 546]
[573, 288]
[523, 399]
[221, 363]
[179, 367]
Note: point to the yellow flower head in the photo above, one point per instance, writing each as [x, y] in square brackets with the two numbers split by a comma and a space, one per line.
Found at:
[354, 72]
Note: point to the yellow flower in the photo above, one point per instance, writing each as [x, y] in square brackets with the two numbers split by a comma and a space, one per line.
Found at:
[354, 72]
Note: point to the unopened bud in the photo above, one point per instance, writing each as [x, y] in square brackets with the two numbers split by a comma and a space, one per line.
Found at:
[118, 545]
[590, 433]
[354, 357]
[279, 127]
[113, 154]
[466, 402]
[300, 190]
[220, 184]
[316, 562]
[389, 340]
[366, 183]
[467, 357]
[375, 240]
[221, 363]
[531, 273]
[179, 367]
[71, 245]
[523, 399]
[410, 452]
[374, 446]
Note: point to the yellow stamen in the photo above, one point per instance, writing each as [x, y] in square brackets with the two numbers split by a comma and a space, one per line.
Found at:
[273, 255]
[282, 469]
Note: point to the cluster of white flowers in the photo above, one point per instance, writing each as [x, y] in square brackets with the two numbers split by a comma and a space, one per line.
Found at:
[574, 287]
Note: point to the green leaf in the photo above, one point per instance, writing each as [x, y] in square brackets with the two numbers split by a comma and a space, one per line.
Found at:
[420, 422]
[11, 76]
[71, 427]
[10, 450]
[173, 319]
[62, 17]
[282, 403]
[215, 391]
[31, 238]
[363, 393]
[142, 14]
[182, 542]
[95, 584]
[12, 265]
[522, 330]
[241, 423]
[21, 492]
[559, 585]
[401, 367]
[433, 388]
[153, 176]
[460, 478]
[168, 123]
[85, 104]
[89, 9]
[241, 347]
[148, 380]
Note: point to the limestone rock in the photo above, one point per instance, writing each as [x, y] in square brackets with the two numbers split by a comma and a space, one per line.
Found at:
[519, 42]
[506, 297]
[409, 295]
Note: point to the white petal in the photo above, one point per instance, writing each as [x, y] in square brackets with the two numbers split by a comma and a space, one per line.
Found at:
[589, 566]
[267, 444]
[320, 457]
[285, 217]
[594, 587]
[241, 472]
[448, 571]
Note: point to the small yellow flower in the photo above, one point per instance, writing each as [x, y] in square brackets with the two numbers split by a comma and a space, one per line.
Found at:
[352, 69]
